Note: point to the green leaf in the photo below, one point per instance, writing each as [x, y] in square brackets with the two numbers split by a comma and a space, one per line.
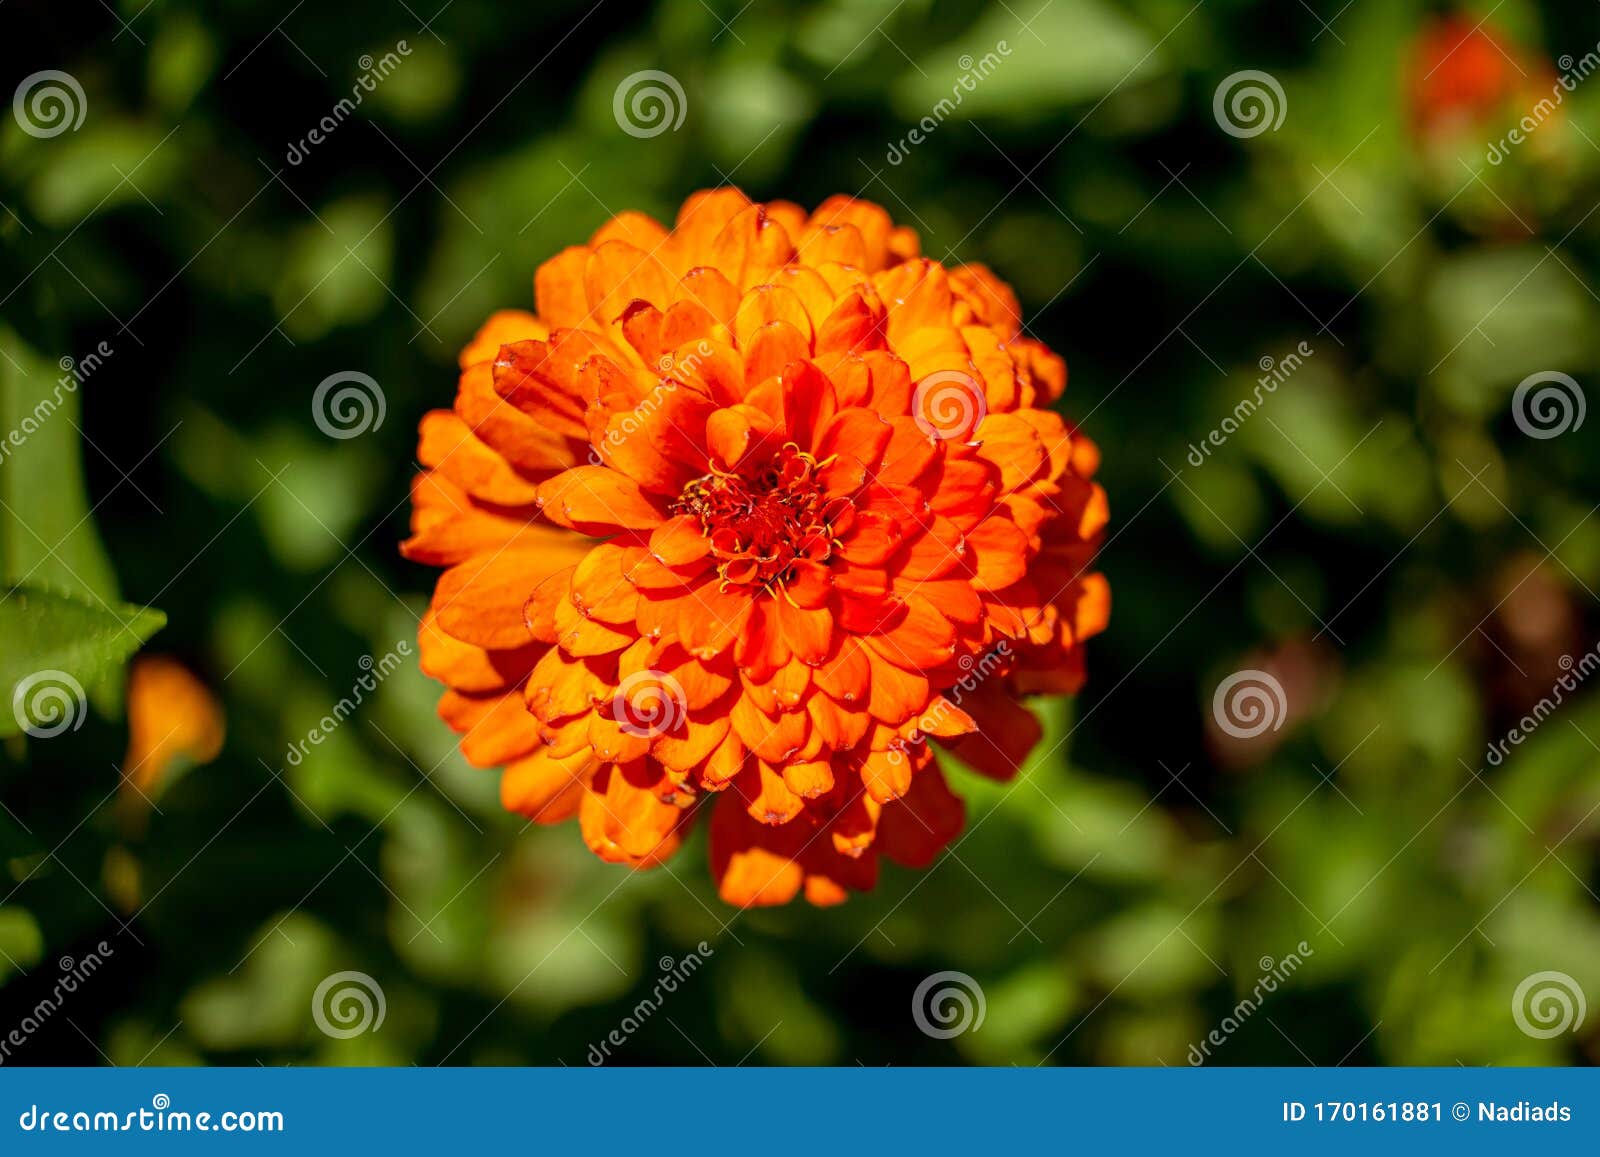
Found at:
[56, 645]
[84, 176]
[46, 535]
[1072, 51]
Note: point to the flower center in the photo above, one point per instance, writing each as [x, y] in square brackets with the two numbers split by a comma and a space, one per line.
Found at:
[761, 524]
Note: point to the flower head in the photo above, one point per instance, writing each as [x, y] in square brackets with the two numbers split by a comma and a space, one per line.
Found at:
[744, 514]
[1465, 77]
[172, 717]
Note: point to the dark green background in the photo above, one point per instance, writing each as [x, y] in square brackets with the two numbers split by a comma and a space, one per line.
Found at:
[1381, 535]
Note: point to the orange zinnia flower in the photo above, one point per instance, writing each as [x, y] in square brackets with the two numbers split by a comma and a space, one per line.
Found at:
[748, 509]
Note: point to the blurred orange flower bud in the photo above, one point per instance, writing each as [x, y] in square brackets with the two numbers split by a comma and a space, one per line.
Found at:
[1465, 76]
[171, 716]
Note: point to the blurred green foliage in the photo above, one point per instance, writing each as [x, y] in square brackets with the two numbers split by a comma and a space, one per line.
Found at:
[1380, 535]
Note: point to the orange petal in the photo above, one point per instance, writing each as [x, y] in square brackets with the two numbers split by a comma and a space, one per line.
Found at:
[481, 600]
[999, 551]
[637, 229]
[701, 738]
[768, 303]
[808, 780]
[847, 673]
[921, 639]
[503, 327]
[623, 816]
[840, 729]
[1091, 607]
[709, 618]
[886, 774]
[773, 737]
[448, 527]
[915, 828]
[494, 729]
[731, 432]
[768, 798]
[679, 541]
[581, 636]
[599, 590]
[895, 694]
[560, 686]
[808, 633]
[754, 865]
[618, 273]
[468, 668]
[528, 380]
[770, 348]
[448, 445]
[1006, 732]
[539, 612]
[530, 447]
[545, 787]
[558, 287]
[599, 501]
